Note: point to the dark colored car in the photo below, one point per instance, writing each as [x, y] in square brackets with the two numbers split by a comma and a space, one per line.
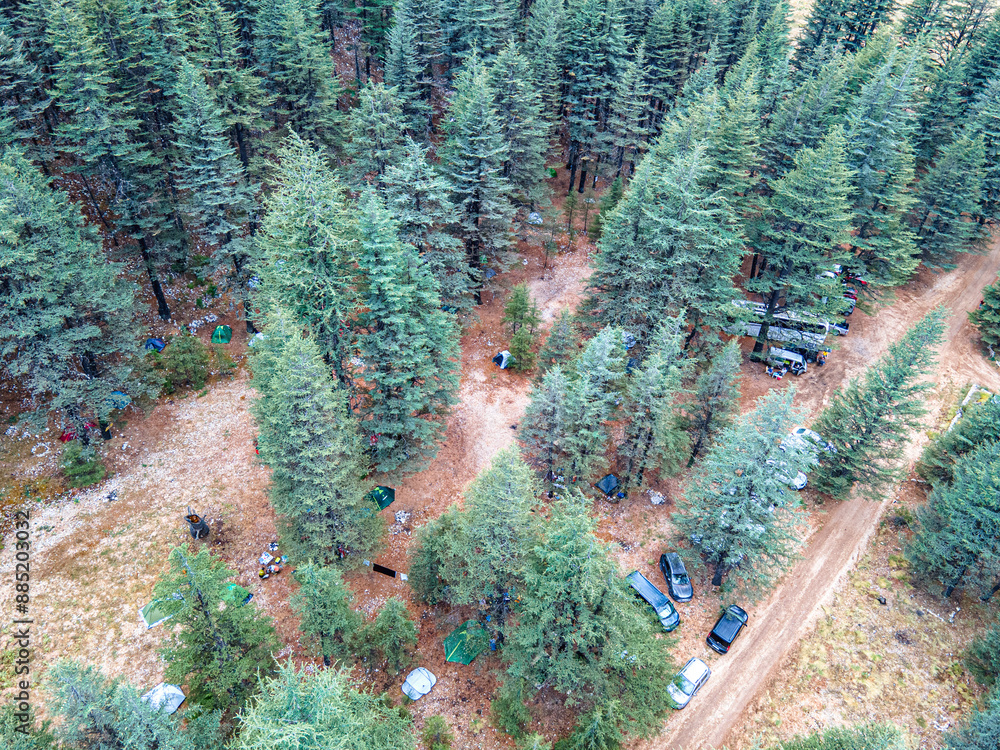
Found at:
[669, 618]
[727, 628]
[676, 576]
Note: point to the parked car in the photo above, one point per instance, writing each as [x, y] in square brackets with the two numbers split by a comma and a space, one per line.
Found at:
[669, 618]
[676, 576]
[839, 329]
[798, 482]
[687, 682]
[728, 627]
[807, 440]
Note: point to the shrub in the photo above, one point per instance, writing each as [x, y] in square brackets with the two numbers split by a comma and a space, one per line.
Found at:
[509, 712]
[184, 363]
[521, 352]
[437, 734]
[81, 466]
[983, 657]
[392, 636]
[222, 362]
[520, 310]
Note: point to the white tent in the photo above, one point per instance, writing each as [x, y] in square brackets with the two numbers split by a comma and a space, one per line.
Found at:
[165, 697]
[419, 683]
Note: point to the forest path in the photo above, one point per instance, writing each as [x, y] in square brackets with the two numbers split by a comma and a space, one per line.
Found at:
[777, 624]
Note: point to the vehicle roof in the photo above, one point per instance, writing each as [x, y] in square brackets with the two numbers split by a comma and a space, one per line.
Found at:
[695, 668]
[730, 623]
[675, 562]
[646, 589]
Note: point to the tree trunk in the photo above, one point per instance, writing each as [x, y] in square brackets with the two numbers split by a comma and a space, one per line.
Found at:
[583, 175]
[161, 301]
[572, 168]
[719, 572]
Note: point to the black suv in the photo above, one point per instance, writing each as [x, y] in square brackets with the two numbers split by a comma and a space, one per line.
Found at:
[727, 628]
[665, 611]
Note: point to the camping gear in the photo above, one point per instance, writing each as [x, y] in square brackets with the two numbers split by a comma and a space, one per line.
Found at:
[196, 525]
[502, 359]
[165, 697]
[418, 683]
[382, 496]
[159, 610]
[628, 340]
[465, 643]
[489, 274]
[222, 335]
[255, 338]
[783, 358]
[632, 364]
[265, 558]
[608, 485]
[118, 400]
[155, 345]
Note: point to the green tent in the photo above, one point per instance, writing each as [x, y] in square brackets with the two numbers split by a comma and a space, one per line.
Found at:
[159, 610]
[222, 335]
[236, 595]
[465, 643]
[383, 497]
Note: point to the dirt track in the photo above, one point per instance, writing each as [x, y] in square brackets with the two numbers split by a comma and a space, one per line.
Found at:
[776, 625]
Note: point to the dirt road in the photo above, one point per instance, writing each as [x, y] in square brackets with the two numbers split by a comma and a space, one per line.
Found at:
[714, 717]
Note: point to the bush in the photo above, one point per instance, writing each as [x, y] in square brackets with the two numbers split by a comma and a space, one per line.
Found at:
[520, 351]
[983, 657]
[987, 317]
[520, 310]
[509, 712]
[222, 362]
[392, 636]
[437, 734]
[184, 363]
[81, 466]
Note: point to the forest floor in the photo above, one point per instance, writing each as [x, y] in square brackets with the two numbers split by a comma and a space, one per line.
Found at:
[95, 560]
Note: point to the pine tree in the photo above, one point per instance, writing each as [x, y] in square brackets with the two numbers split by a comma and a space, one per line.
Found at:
[867, 736]
[733, 148]
[101, 714]
[101, 131]
[376, 140]
[957, 539]
[658, 247]
[545, 425]
[311, 442]
[560, 346]
[323, 604]
[306, 253]
[810, 219]
[870, 420]
[66, 315]
[822, 28]
[392, 636]
[738, 513]
[409, 346]
[473, 157]
[579, 629]
[878, 154]
[417, 195]
[217, 201]
[716, 398]
[22, 93]
[980, 732]
[312, 710]
[980, 423]
[920, 17]
[520, 310]
[950, 189]
[300, 71]
[481, 556]
[982, 63]
[414, 49]
[609, 201]
[523, 127]
[652, 437]
[983, 656]
[478, 26]
[626, 129]
[670, 49]
[984, 119]
[213, 34]
[219, 653]
[986, 318]
[543, 34]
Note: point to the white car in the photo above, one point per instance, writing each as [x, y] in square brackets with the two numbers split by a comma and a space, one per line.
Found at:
[688, 682]
[807, 440]
[798, 483]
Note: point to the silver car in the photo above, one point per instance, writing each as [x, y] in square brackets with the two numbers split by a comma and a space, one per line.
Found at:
[688, 682]
[798, 482]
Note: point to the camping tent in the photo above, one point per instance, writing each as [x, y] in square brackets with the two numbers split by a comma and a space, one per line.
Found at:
[118, 400]
[382, 496]
[222, 335]
[419, 683]
[165, 697]
[608, 485]
[465, 643]
[155, 344]
[159, 610]
[236, 595]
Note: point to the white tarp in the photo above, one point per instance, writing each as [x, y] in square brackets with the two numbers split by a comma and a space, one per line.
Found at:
[419, 683]
[165, 697]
